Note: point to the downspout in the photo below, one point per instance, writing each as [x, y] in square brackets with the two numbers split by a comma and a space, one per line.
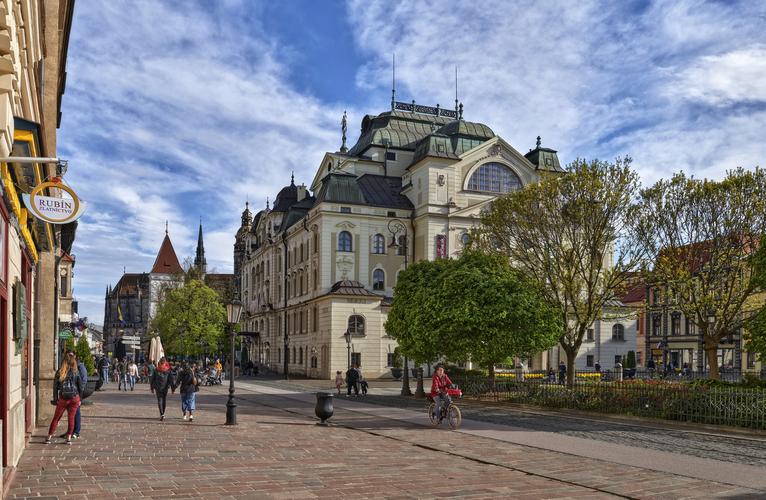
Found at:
[37, 339]
[285, 340]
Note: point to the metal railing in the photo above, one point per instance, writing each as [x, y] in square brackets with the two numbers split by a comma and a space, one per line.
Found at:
[736, 407]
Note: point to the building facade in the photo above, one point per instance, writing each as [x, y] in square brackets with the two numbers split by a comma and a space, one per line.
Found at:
[33, 46]
[315, 266]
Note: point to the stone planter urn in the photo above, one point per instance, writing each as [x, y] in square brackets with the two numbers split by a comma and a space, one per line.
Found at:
[90, 387]
[414, 372]
[397, 373]
[324, 409]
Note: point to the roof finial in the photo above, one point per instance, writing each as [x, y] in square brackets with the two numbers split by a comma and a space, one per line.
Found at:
[344, 127]
[292, 177]
[393, 89]
[267, 203]
[538, 142]
[460, 114]
[166, 227]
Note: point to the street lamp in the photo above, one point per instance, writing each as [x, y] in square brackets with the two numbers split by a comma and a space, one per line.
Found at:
[233, 312]
[347, 336]
[395, 227]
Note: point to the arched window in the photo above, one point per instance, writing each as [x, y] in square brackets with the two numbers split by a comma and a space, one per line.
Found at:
[279, 355]
[295, 286]
[300, 290]
[378, 280]
[314, 321]
[300, 325]
[313, 361]
[288, 288]
[315, 279]
[378, 244]
[300, 359]
[316, 239]
[495, 178]
[301, 253]
[402, 247]
[344, 242]
[267, 268]
[618, 332]
[356, 325]
[293, 355]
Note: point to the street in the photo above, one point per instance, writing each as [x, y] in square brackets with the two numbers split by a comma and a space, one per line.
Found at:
[371, 451]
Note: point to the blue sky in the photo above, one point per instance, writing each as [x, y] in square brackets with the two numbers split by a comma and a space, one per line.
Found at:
[176, 110]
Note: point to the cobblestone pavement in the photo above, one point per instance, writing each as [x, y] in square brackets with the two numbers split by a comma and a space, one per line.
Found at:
[740, 449]
[277, 452]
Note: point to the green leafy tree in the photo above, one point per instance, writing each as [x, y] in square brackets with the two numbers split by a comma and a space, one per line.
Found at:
[704, 239]
[755, 335]
[189, 317]
[573, 237]
[473, 309]
[82, 351]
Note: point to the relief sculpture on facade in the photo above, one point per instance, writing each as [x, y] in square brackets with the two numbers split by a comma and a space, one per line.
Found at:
[345, 265]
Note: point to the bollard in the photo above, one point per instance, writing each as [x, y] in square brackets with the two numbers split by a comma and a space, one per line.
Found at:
[618, 372]
[420, 393]
[324, 409]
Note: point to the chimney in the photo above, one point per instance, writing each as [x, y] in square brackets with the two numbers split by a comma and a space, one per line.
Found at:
[301, 192]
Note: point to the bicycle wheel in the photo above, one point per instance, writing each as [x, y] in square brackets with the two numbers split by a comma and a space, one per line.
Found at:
[453, 417]
[432, 415]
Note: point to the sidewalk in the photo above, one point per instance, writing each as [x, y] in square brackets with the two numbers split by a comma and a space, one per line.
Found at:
[278, 452]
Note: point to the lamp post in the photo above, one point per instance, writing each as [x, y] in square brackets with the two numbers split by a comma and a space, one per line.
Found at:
[395, 227]
[233, 312]
[347, 336]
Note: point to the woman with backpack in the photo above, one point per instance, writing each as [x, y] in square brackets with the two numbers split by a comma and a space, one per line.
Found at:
[162, 380]
[67, 391]
[189, 383]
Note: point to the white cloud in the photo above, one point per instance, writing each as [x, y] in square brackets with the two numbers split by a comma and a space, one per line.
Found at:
[735, 77]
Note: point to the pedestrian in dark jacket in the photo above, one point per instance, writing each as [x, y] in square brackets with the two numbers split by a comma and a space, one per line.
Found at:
[187, 380]
[352, 377]
[67, 391]
[562, 372]
[84, 377]
[162, 380]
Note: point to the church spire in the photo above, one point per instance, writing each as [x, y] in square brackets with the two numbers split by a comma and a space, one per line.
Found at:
[199, 260]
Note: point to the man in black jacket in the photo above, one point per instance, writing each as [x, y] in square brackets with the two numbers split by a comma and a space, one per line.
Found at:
[352, 379]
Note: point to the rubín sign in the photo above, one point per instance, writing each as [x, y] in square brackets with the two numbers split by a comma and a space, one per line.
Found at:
[54, 210]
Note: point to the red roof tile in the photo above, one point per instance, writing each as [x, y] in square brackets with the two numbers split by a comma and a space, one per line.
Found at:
[167, 262]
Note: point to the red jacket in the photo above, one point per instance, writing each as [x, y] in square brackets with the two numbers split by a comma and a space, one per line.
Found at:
[439, 385]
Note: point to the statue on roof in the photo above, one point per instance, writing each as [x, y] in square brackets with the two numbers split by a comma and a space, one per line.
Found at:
[344, 128]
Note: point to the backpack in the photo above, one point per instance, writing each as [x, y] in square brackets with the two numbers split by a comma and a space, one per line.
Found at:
[68, 387]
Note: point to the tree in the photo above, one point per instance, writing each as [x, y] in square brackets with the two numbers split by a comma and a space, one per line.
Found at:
[704, 238]
[473, 309]
[630, 361]
[70, 345]
[190, 316]
[82, 351]
[755, 335]
[574, 237]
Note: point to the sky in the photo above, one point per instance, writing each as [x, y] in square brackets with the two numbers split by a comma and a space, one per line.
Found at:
[183, 110]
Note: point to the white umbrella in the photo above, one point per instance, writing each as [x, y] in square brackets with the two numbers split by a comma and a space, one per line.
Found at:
[152, 349]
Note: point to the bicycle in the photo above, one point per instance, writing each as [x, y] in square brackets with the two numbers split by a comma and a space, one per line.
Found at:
[452, 412]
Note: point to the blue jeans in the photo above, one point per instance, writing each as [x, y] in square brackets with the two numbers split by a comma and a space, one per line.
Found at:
[123, 381]
[132, 381]
[77, 421]
[438, 401]
[187, 401]
[105, 375]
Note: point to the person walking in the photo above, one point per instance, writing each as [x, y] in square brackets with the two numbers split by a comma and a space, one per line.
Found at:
[352, 376]
[162, 380]
[132, 374]
[67, 391]
[237, 365]
[103, 366]
[115, 369]
[338, 381]
[84, 376]
[598, 366]
[189, 385]
[562, 372]
[122, 367]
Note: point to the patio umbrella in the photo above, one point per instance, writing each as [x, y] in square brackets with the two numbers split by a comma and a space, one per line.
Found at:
[153, 350]
[160, 352]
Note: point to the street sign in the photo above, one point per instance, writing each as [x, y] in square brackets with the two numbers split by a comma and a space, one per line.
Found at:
[131, 342]
[65, 334]
[130, 337]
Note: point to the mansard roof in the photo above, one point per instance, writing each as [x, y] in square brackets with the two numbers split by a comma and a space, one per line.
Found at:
[296, 212]
[166, 262]
[340, 187]
[381, 191]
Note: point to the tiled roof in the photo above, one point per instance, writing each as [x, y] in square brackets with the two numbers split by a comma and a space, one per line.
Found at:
[350, 288]
[129, 283]
[380, 191]
[634, 294]
[166, 262]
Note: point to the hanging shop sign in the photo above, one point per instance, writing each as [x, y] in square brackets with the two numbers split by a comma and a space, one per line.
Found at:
[130, 342]
[65, 334]
[51, 209]
[130, 337]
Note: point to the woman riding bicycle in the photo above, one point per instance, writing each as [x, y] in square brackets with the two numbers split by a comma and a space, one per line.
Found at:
[439, 389]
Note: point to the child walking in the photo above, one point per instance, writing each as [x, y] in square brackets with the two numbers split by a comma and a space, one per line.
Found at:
[338, 381]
